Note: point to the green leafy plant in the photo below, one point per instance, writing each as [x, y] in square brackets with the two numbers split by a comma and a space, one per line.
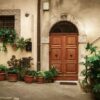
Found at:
[54, 71]
[92, 67]
[7, 36]
[31, 73]
[3, 68]
[96, 91]
[13, 70]
[40, 74]
[20, 43]
[25, 65]
[49, 76]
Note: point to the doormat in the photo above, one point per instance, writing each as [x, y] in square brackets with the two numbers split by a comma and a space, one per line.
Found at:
[8, 98]
[68, 83]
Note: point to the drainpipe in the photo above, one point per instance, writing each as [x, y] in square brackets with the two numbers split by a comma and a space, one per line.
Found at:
[38, 36]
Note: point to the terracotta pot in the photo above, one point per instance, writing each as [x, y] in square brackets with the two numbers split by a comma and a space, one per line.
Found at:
[28, 79]
[12, 77]
[40, 80]
[2, 76]
[49, 81]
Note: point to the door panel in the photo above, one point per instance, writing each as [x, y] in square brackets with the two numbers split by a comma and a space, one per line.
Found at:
[64, 55]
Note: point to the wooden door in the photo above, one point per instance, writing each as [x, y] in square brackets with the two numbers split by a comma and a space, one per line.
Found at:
[64, 55]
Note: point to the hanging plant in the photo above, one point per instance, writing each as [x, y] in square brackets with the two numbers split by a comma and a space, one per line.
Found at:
[7, 36]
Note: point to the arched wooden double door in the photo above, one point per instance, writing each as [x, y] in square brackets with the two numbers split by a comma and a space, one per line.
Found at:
[64, 51]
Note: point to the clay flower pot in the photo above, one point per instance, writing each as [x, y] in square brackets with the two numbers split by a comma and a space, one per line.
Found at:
[12, 77]
[2, 76]
[28, 79]
[40, 80]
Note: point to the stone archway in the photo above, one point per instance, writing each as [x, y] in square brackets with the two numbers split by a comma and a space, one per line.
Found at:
[63, 50]
[45, 39]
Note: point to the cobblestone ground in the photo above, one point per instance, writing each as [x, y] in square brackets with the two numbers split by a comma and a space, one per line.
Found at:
[48, 91]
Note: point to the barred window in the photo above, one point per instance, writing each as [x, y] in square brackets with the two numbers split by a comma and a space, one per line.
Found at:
[7, 21]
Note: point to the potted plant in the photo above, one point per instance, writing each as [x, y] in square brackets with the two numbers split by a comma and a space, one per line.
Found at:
[40, 77]
[13, 70]
[2, 72]
[24, 65]
[49, 77]
[92, 68]
[29, 76]
[12, 74]
[28, 44]
[51, 74]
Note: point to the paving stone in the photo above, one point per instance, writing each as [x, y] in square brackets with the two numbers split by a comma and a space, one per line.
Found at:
[52, 91]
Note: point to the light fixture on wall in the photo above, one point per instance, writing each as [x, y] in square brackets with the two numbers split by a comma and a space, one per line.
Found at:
[46, 6]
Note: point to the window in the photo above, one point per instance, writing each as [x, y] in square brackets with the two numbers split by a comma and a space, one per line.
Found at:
[7, 21]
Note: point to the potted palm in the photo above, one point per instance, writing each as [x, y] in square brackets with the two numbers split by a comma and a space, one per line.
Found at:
[2, 72]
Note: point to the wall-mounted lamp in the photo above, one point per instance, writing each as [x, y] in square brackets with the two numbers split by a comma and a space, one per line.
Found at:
[46, 6]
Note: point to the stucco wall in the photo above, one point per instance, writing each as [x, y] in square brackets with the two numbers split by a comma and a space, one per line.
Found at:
[84, 14]
[85, 11]
[28, 26]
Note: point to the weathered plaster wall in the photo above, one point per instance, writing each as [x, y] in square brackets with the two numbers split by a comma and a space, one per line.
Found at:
[85, 11]
[84, 14]
[28, 26]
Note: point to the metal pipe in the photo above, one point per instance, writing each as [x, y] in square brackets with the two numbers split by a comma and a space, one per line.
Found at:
[38, 35]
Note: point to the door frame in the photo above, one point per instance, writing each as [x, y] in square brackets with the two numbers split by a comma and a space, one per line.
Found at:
[66, 34]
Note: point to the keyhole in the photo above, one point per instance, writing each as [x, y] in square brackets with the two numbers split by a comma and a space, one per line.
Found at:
[71, 55]
[56, 55]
